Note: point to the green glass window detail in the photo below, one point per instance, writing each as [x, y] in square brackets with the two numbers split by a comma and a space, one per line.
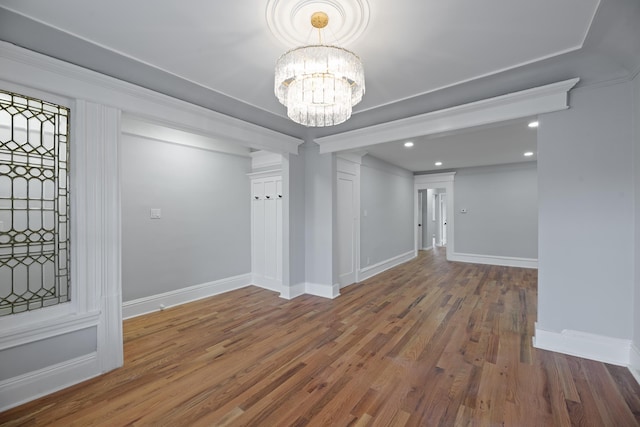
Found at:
[34, 204]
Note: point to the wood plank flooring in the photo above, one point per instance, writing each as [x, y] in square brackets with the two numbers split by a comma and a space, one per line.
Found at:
[429, 343]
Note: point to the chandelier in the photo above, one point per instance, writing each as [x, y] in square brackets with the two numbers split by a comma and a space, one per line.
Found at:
[319, 84]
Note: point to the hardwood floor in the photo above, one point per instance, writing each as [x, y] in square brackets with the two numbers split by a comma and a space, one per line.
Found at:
[429, 343]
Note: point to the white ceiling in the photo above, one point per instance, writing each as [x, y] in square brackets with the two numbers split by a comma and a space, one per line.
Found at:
[419, 55]
[409, 47]
[481, 146]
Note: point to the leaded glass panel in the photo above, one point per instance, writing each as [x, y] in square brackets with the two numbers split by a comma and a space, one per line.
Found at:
[34, 204]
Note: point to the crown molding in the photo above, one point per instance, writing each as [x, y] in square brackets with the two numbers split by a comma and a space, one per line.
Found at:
[24, 67]
[530, 102]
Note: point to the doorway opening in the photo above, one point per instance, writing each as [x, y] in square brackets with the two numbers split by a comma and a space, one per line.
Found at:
[432, 215]
[433, 200]
[441, 197]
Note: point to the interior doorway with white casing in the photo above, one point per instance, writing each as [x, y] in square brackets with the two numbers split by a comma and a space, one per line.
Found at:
[433, 198]
[441, 196]
[348, 218]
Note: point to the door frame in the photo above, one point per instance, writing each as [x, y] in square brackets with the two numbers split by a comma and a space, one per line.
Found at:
[349, 164]
[443, 215]
[432, 182]
[420, 224]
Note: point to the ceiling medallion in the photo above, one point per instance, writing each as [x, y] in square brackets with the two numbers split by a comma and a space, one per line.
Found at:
[319, 84]
[288, 20]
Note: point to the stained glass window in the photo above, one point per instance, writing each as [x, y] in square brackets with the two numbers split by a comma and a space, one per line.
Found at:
[34, 204]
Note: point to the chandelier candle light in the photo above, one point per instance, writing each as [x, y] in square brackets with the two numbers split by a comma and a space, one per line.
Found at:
[319, 84]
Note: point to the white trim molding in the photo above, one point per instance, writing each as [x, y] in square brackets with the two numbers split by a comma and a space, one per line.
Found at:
[615, 351]
[372, 270]
[432, 179]
[95, 254]
[158, 131]
[99, 251]
[158, 302]
[265, 159]
[435, 181]
[494, 260]
[25, 67]
[291, 292]
[634, 362]
[267, 283]
[526, 103]
[265, 174]
[33, 332]
[24, 388]
[324, 291]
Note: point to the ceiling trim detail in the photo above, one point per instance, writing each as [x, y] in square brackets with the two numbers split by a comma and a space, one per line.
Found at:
[289, 21]
[33, 70]
[530, 102]
[431, 179]
[134, 126]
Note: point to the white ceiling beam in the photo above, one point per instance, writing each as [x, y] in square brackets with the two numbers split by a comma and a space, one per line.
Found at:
[526, 103]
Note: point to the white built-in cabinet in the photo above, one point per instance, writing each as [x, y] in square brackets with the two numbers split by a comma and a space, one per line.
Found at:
[266, 229]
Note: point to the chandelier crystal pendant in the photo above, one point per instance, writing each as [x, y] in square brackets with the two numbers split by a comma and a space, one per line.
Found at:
[319, 84]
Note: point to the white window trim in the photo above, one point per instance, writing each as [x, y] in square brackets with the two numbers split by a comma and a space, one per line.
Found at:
[95, 210]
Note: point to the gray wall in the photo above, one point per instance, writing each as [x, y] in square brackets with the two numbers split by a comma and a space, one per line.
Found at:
[386, 193]
[502, 210]
[585, 182]
[318, 184]
[204, 233]
[51, 351]
[636, 128]
[296, 171]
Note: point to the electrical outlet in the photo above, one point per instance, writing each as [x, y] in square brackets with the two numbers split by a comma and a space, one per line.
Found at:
[156, 213]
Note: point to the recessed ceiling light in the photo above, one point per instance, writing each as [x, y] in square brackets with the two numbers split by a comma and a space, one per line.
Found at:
[438, 163]
[533, 124]
[408, 144]
[528, 154]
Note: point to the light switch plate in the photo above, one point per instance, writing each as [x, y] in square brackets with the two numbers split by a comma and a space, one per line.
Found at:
[156, 213]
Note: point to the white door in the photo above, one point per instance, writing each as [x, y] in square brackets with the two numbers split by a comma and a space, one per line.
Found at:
[279, 230]
[270, 230]
[346, 224]
[258, 229]
[266, 232]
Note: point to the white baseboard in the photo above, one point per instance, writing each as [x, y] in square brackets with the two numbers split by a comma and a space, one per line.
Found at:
[615, 351]
[372, 270]
[152, 303]
[24, 388]
[267, 283]
[494, 260]
[291, 292]
[634, 362]
[325, 291]
[427, 248]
